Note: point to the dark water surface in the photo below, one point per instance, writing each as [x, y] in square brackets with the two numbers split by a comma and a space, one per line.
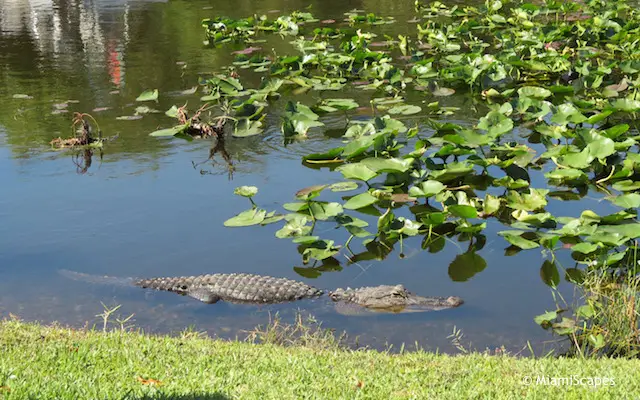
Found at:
[144, 209]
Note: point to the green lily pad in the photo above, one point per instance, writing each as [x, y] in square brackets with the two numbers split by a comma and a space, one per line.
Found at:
[245, 128]
[463, 211]
[515, 238]
[443, 92]
[359, 201]
[170, 131]
[296, 226]
[426, 189]
[405, 109]
[629, 200]
[343, 186]
[148, 95]
[387, 164]
[250, 217]
[357, 171]
[534, 92]
[626, 105]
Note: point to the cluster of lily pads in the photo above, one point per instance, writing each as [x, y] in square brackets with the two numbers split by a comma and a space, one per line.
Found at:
[558, 81]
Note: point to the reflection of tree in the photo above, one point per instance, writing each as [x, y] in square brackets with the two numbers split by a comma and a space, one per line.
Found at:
[218, 147]
[82, 160]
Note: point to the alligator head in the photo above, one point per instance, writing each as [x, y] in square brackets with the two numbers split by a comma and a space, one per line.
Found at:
[386, 298]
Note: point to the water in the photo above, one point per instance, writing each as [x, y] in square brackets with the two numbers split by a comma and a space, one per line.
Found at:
[151, 207]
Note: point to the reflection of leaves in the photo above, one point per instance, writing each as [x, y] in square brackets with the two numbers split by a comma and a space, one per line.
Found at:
[329, 264]
[433, 243]
[376, 250]
[549, 273]
[319, 250]
[465, 266]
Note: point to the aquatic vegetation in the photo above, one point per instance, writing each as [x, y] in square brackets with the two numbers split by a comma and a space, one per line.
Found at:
[192, 127]
[83, 134]
[556, 88]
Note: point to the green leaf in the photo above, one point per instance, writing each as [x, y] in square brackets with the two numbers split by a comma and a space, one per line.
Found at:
[148, 95]
[320, 249]
[172, 112]
[546, 317]
[405, 109]
[330, 105]
[630, 230]
[296, 226]
[627, 185]
[491, 204]
[463, 211]
[170, 131]
[426, 189]
[585, 311]
[584, 247]
[517, 240]
[358, 146]
[246, 191]
[245, 128]
[567, 113]
[250, 217]
[626, 105]
[629, 200]
[443, 92]
[361, 200]
[534, 200]
[343, 186]
[568, 174]
[534, 92]
[357, 171]
[387, 164]
[323, 211]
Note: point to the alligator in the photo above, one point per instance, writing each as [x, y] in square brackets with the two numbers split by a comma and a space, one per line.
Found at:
[260, 289]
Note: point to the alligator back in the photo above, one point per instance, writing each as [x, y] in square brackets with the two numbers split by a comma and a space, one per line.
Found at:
[235, 288]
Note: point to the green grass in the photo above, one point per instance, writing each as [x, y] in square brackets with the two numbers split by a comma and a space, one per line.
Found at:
[48, 362]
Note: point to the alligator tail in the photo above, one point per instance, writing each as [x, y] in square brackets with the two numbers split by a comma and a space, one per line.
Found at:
[100, 279]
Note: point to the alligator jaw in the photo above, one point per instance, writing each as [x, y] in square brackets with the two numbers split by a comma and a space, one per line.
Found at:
[393, 299]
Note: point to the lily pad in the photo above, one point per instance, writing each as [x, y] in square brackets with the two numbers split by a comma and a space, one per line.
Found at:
[357, 171]
[359, 201]
[405, 109]
[250, 217]
[170, 131]
[148, 95]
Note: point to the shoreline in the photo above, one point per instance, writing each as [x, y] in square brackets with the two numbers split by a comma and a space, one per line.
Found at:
[52, 361]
